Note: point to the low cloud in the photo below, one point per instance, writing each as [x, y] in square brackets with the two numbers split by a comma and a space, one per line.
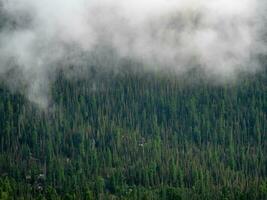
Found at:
[37, 38]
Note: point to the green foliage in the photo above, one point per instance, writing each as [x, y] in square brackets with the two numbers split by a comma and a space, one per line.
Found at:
[136, 136]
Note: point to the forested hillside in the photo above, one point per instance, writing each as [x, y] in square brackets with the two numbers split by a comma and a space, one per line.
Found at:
[138, 136]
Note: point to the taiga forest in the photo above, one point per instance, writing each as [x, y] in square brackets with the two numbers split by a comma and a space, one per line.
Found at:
[106, 100]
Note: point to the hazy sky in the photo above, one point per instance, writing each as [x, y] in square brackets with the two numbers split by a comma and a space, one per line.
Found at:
[222, 37]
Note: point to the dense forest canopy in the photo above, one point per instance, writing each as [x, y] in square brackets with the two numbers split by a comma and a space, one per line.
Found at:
[133, 135]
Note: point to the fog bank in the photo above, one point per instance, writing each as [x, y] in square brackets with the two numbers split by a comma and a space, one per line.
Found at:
[223, 38]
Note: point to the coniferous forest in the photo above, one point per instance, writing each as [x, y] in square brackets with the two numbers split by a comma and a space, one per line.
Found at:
[136, 136]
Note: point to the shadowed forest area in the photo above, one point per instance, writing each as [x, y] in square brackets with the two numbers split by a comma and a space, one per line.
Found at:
[137, 136]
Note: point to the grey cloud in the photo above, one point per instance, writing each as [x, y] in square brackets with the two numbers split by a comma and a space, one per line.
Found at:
[222, 37]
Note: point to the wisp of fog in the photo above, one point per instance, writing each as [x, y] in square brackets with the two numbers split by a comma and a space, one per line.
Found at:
[220, 37]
